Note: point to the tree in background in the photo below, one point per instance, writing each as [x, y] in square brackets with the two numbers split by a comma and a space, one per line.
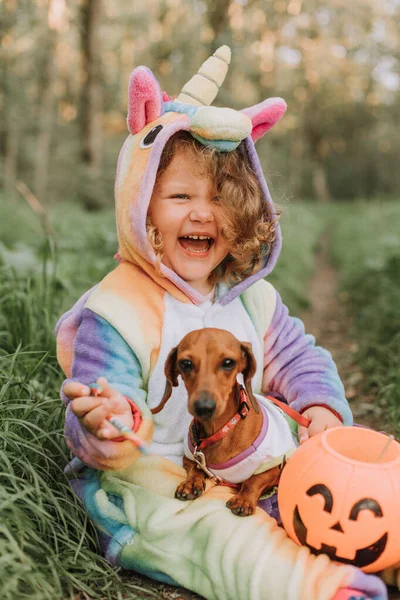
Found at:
[327, 59]
[56, 21]
[9, 123]
[64, 86]
[91, 104]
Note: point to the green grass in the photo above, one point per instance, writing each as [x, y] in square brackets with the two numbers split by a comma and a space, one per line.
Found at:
[47, 547]
[366, 249]
[302, 225]
[86, 244]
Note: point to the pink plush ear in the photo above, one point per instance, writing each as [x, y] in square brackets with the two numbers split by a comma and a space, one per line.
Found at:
[145, 100]
[264, 115]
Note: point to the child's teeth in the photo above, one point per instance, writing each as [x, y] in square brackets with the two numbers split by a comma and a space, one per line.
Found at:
[198, 248]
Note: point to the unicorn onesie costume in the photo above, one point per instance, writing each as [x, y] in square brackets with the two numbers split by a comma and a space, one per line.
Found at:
[124, 328]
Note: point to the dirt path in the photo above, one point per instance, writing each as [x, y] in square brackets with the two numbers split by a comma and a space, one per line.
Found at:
[152, 590]
[328, 320]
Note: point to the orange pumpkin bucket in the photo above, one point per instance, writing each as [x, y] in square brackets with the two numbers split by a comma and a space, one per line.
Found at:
[339, 494]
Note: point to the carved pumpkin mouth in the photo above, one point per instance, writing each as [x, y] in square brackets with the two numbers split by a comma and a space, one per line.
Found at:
[364, 556]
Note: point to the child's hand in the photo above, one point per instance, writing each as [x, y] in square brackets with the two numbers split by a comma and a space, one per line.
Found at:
[94, 411]
[321, 418]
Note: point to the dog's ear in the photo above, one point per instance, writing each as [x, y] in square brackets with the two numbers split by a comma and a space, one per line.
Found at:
[171, 373]
[248, 372]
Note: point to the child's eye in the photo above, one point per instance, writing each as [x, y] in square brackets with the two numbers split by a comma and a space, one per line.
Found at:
[180, 196]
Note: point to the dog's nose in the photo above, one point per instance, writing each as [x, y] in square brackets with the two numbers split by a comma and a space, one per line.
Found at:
[205, 405]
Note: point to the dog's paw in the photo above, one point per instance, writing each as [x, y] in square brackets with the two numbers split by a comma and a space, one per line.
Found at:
[190, 488]
[241, 506]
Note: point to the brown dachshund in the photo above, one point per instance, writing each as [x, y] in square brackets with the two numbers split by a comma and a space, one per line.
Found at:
[209, 361]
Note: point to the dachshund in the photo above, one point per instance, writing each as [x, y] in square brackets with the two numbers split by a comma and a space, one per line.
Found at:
[228, 418]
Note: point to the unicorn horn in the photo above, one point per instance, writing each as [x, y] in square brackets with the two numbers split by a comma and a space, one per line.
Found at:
[203, 87]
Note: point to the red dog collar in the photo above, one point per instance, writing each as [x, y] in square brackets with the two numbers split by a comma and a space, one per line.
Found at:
[242, 413]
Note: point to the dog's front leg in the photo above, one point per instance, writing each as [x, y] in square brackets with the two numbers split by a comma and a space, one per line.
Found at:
[194, 484]
[245, 501]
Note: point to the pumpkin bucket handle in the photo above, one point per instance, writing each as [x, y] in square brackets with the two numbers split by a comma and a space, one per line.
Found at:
[385, 448]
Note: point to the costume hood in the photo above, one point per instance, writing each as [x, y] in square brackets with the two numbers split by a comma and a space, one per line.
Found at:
[153, 118]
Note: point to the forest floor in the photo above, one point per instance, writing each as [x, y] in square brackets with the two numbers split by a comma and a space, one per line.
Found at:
[329, 321]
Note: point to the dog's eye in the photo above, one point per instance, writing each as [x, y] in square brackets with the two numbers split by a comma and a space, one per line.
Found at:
[186, 365]
[228, 364]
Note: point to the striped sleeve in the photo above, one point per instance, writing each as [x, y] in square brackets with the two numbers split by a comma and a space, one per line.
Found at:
[295, 368]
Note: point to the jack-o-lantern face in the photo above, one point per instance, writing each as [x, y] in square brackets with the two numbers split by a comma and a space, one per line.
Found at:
[363, 556]
[339, 494]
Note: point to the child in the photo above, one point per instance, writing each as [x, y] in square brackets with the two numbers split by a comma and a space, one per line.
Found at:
[198, 233]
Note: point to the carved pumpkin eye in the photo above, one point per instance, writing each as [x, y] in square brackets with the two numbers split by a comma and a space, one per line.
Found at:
[365, 504]
[149, 138]
[325, 492]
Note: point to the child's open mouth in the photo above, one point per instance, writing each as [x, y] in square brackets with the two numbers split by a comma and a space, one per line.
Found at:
[198, 244]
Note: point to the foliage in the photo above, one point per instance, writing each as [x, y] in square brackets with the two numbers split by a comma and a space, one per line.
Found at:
[85, 246]
[302, 225]
[47, 546]
[366, 249]
[336, 64]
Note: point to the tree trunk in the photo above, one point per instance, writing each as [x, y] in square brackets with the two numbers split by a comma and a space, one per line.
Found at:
[11, 150]
[9, 129]
[320, 184]
[92, 104]
[218, 20]
[46, 120]
[55, 19]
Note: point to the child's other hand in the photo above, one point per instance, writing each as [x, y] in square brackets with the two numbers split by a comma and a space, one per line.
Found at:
[94, 411]
[321, 418]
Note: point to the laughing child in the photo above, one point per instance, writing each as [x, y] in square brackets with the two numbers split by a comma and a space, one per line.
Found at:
[198, 234]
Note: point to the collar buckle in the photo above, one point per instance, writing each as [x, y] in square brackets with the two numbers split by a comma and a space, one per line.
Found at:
[200, 461]
[243, 409]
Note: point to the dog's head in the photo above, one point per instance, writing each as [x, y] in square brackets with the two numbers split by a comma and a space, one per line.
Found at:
[209, 360]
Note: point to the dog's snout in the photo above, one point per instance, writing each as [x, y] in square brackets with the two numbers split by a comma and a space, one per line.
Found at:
[204, 405]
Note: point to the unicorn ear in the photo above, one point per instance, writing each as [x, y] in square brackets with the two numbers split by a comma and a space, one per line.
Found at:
[264, 115]
[145, 99]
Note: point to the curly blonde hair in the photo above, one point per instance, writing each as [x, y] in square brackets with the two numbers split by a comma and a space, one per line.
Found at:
[248, 228]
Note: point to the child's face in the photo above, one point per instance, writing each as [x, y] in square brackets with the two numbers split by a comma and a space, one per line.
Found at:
[184, 204]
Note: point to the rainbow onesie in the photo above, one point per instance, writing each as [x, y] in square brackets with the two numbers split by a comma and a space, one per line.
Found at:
[123, 329]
